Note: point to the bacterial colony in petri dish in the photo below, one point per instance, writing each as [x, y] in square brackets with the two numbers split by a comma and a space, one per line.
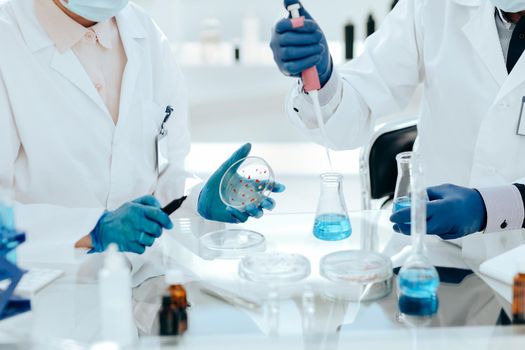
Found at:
[248, 181]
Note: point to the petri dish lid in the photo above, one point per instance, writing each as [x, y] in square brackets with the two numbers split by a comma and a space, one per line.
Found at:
[356, 267]
[232, 243]
[274, 267]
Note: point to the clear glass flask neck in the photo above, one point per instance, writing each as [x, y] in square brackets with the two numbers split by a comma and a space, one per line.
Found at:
[418, 211]
[332, 198]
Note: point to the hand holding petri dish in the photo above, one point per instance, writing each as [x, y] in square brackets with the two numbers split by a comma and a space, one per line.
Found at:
[248, 181]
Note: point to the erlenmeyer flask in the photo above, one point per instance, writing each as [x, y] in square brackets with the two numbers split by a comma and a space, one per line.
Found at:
[402, 195]
[331, 221]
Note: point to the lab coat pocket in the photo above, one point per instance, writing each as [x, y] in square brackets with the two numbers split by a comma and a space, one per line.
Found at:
[152, 114]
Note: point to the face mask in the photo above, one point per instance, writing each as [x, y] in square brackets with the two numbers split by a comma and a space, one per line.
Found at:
[95, 10]
[511, 6]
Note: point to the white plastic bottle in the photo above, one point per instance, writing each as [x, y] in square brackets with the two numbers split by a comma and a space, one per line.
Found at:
[116, 313]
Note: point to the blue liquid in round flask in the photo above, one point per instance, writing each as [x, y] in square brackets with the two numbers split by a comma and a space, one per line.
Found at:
[331, 221]
[418, 283]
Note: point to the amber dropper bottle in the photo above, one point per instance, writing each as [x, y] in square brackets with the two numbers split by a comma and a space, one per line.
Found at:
[518, 302]
[179, 298]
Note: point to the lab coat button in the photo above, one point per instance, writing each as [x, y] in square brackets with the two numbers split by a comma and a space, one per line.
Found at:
[90, 36]
[98, 86]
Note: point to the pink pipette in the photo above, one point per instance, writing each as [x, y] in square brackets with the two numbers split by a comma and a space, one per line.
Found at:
[311, 81]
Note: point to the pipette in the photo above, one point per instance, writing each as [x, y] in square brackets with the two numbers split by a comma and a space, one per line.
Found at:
[311, 81]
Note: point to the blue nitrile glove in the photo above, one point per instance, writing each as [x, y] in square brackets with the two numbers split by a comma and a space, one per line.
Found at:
[452, 212]
[296, 50]
[133, 227]
[210, 205]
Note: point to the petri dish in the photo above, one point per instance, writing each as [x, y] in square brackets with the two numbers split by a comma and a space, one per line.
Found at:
[231, 244]
[359, 268]
[248, 181]
[274, 268]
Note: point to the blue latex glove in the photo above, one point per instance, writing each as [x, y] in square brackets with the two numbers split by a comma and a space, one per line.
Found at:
[210, 205]
[133, 227]
[296, 50]
[452, 212]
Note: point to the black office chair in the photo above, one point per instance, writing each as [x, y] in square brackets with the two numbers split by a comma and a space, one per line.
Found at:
[378, 166]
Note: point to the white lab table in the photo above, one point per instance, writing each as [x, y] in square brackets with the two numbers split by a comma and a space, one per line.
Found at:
[66, 315]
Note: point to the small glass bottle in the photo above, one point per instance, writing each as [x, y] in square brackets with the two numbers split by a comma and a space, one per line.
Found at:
[402, 195]
[179, 299]
[331, 221]
[168, 318]
[518, 301]
[418, 280]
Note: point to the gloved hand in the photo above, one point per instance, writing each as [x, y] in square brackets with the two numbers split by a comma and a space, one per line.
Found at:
[210, 205]
[296, 50]
[133, 227]
[452, 212]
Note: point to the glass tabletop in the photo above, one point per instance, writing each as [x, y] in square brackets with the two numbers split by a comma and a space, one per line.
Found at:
[225, 306]
[316, 304]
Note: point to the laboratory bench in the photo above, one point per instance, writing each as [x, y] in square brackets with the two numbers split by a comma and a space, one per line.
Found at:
[65, 315]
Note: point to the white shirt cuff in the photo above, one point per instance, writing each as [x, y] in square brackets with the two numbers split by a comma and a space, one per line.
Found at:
[505, 210]
[330, 97]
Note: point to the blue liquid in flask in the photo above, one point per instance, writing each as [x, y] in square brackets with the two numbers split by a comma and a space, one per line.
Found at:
[418, 292]
[332, 227]
[401, 203]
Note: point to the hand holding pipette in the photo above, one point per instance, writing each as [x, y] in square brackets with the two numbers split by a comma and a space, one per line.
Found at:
[297, 48]
[291, 58]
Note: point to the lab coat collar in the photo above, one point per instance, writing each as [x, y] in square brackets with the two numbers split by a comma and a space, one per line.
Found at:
[131, 30]
[65, 63]
[129, 24]
[133, 35]
[36, 38]
[515, 78]
[482, 34]
[34, 35]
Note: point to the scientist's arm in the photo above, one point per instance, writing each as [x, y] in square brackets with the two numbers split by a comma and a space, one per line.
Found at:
[454, 212]
[42, 222]
[380, 82]
[133, 227]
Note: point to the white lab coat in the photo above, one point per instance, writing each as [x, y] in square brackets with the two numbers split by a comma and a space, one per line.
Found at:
[470, 107]
[59, 148]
